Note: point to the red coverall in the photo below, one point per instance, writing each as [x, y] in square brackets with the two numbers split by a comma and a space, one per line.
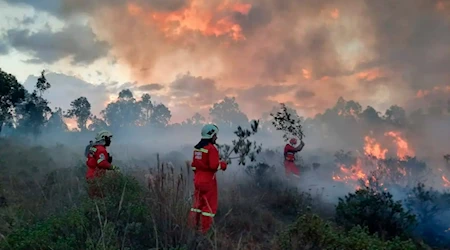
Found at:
[205, 164]
[289, 160]
[97, 162]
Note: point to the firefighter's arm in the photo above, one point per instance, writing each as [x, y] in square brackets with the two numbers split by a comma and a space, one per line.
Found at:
[102, 159]
[214, 161]
[300, 147]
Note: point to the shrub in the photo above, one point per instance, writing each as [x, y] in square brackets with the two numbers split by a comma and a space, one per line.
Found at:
[376, 210]
[311, 232]
[431, 208]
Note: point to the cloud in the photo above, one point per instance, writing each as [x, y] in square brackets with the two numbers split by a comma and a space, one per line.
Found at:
[304, 94]
[194, 90]
[369, 51]
[66, 88]
[74, 41]
[4, 49]
[150, 87]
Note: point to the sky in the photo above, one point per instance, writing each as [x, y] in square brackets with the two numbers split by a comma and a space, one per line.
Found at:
[189, 54]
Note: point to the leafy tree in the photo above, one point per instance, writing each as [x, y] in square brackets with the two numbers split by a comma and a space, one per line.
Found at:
[161, 115]
[33, 113]
[56, 122]
[396, 115]
[97, 124]
[11, 93]
[227, 113]
[81, 110]
[147, 108]
[125, 112]
[196, 119]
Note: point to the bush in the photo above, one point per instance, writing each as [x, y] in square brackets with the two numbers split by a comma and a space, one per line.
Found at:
[432, 209]
[120, 219]
[311, 232]
[377, 211]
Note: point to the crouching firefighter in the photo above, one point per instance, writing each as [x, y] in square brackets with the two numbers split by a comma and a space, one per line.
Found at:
[289, 157]
[98, 161]
[205, 164]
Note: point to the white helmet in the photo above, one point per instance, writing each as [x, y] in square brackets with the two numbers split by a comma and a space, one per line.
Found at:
[102, 135]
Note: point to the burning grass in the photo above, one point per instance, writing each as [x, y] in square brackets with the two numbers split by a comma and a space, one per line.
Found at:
[147, 209]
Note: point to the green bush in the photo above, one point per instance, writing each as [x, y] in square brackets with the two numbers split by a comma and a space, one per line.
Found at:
[311, 232]
[377, 211]
[121, 219]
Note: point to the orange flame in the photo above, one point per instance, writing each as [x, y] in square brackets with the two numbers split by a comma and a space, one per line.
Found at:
[403, 149]
[371, 147]
[446, 181]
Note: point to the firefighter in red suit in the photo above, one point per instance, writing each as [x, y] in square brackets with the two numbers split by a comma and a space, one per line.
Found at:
[206, 162]
[98, 161]
[289, 157]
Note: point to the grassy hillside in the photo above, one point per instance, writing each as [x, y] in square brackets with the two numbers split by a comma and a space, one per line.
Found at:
[44, 205]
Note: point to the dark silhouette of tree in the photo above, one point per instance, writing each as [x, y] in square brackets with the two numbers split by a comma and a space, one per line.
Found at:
[396, 116]
[34, 112]
[227, 113]
[56, 122]
[196, 119]
[161, 115]
[125, 112]
[97, 124]
[81, 110]
[147, 109]
[11, 93]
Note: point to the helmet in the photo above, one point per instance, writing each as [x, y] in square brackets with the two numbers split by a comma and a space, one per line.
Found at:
[209, 130]
[293, 141]
[102, 134]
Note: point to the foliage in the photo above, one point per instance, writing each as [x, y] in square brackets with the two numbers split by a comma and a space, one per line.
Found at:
[376, 210]
[81, 110]
[56, 122]
[161, 115]
[242, 147]
[288, 122]
[11, 93]
[34, 112]
[431, 208]
[226, 113]
[311, 232]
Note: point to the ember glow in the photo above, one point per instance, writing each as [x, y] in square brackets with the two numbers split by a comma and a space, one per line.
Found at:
[194, 18]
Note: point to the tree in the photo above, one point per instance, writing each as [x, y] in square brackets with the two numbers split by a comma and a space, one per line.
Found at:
[161, 115]
[396, 116]
[227, 113]
[196, 119]
[34, 112]
[81, 110]
[56, 122]
[97, 124]
[125, 112]
[11, 93]
[147, 108]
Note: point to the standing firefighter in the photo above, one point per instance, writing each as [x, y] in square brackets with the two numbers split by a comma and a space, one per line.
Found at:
[289, 157]
[98, 161]
[205, 163]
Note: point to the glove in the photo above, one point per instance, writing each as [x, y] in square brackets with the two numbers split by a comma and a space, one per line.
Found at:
[115, 168]
[109, 158]
[223, 165]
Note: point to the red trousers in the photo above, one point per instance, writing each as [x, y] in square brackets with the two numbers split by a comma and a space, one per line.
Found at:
[291, 169]
[205, 206]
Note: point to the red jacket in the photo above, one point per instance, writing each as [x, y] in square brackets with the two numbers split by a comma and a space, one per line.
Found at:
[205, 163]
[97, 161]
[289, 152]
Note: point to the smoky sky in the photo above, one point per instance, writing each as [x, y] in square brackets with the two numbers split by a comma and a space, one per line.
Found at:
[377, 52]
